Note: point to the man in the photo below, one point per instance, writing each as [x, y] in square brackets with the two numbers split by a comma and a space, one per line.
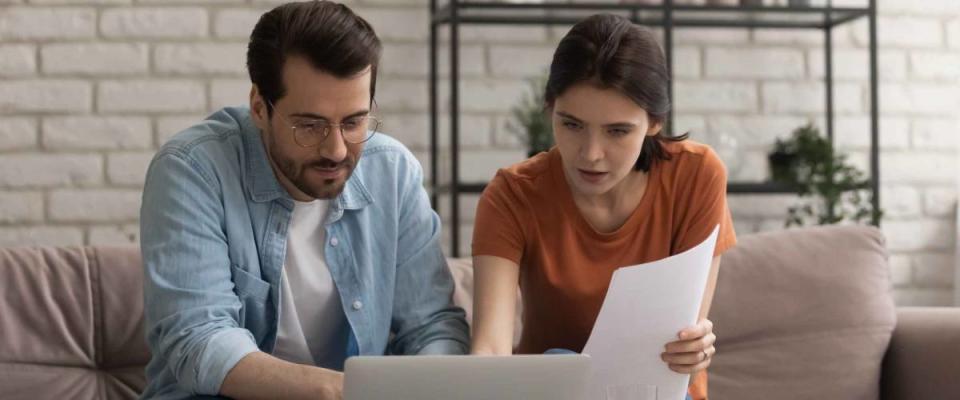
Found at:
[271, 252]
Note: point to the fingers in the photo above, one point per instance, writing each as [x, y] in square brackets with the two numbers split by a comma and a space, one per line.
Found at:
[694, 351]
[692, 345]
[689, 369]
[702, 328]
[689, 362]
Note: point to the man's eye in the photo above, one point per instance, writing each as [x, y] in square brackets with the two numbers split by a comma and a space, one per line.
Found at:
[313, 127]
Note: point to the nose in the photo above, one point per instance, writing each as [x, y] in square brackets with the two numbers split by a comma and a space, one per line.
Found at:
[592, 148]
[333, 147]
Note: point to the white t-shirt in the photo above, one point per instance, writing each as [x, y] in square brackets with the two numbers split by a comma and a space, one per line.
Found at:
[313, 329]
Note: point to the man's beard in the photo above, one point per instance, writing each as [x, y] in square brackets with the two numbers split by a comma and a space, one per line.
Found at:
[294, 173]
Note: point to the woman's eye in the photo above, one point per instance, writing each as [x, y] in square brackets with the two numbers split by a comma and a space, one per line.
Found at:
[571, 125]
[619, 132]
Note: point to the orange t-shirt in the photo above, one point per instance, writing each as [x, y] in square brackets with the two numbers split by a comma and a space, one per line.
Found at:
[527, 214]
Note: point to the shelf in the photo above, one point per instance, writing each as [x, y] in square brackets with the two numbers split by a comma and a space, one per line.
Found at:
[555, 13]
[732, 188]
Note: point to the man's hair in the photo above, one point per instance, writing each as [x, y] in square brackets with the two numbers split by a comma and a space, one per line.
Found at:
[329, 35]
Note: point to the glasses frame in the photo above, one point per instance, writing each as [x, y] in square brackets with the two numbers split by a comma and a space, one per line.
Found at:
[330, 125]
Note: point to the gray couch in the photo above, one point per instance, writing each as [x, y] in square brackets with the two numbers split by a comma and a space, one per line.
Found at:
[801, 314]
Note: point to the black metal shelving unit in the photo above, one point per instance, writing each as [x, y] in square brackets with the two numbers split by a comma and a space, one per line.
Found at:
[667, 16]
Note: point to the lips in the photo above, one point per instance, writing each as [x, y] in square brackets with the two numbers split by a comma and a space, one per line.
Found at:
[591, 176]
[329, 172]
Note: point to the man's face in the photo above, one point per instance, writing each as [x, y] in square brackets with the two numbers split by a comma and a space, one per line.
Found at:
[312, 97]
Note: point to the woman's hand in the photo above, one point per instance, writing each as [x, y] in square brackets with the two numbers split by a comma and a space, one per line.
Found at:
[694, 351]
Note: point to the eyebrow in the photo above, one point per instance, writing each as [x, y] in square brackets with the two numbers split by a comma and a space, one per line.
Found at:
[610, 125]
[310, 115]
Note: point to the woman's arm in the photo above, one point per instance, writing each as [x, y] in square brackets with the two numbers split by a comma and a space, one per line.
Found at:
[494, 305]
[694, 350]
[711, 287]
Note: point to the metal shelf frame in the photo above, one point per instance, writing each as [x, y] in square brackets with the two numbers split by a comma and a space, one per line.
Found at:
[668, 16]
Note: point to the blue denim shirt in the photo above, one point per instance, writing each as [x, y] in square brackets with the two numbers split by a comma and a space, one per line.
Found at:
[213, 231]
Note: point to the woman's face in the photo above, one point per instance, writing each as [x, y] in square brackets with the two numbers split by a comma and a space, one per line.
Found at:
[599, 133]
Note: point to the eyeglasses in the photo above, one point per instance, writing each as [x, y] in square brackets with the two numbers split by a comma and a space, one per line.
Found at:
[311, 133]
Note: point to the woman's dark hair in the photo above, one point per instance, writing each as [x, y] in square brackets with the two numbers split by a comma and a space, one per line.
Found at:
[612, 52]
[329, 35]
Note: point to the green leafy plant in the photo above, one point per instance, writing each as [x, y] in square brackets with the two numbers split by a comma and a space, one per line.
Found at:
[831, 190]
[530, 122]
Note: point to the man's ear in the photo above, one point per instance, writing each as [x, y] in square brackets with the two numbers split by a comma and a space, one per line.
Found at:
[258, 109]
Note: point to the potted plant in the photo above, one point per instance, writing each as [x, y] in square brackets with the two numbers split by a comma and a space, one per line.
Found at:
[830, 189]
[530, 122]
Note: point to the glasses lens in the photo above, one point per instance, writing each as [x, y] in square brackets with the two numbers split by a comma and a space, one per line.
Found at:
[361, 132]
[309, 135]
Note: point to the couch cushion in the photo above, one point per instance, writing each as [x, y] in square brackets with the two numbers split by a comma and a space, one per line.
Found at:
[71, 323]
[802, 314]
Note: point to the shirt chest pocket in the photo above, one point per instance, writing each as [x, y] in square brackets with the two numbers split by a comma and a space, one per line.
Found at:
[253, 293]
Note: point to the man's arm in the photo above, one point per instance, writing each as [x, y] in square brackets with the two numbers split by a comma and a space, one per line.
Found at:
[261, 376]
[191, 306]
[425, 319]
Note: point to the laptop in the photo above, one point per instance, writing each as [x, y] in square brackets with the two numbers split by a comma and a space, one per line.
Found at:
[527, 377]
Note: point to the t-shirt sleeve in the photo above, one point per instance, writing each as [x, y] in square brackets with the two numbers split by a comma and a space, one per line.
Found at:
[703, 206]
[497, 229]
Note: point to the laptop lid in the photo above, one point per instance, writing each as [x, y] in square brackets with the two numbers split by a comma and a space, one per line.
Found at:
[527, 377]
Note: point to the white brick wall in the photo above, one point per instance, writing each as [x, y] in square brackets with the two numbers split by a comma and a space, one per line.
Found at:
[49, 95]
[151, 96]
[160, 23]
[94, 58]
[29, 23]
[17, 60]
[90, 88]
[202, 58]
[94, 205]
[17, 133]
[754, 63]
[30, 170]
[96, 133]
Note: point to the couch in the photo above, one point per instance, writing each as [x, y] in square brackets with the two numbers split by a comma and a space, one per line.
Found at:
[800, 314]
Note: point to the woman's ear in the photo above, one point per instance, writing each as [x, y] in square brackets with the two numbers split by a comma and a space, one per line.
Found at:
[654, 128]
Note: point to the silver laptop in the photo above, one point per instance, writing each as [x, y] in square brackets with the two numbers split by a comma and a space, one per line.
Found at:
[527, 377]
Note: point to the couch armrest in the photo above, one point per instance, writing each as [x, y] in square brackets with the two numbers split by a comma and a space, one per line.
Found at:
[924, 355]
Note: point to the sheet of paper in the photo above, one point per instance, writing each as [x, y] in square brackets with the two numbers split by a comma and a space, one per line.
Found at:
[645, 307]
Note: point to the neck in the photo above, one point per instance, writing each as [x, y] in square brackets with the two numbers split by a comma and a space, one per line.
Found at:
[623, 195]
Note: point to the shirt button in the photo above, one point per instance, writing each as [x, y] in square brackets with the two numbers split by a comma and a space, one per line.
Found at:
[357, 305]
[334, 242]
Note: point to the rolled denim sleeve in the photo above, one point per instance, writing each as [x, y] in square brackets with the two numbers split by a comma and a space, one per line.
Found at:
[191, 309]
[425, 319]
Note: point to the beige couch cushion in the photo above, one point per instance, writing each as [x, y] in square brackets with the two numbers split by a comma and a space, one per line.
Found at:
[802, 314]
[71, 323]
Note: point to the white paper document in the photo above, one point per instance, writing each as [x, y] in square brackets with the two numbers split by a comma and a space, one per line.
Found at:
[645, 307]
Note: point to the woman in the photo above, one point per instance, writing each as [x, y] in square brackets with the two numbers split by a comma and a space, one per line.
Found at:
[613, 192]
